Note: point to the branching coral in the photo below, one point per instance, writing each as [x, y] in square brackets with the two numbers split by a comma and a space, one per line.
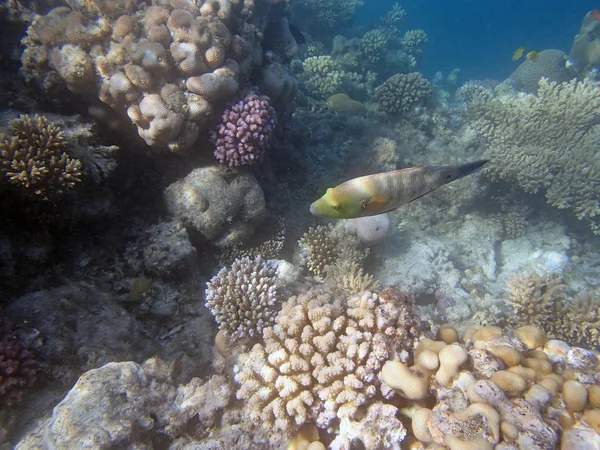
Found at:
[547, 142]
[393, 20]
[331, 13]
[32, 157]
[320, 360]
[401, 92]
[242, 297]
[373, 45]
[545, 302]
[414, 40]
[350, 277]
[245, 131]
[323, 77]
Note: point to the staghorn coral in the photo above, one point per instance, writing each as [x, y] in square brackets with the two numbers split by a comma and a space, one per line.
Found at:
[547, 142]
[32, 158]
[401, 92]
[242, 297]
[165, 67]
[320, 360]
[245, 131]
[393, 20]
[545, 302]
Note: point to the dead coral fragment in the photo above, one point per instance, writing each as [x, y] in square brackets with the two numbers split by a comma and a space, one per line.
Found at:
[33, 158]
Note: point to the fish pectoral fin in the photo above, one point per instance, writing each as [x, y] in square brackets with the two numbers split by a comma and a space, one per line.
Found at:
[376, 202]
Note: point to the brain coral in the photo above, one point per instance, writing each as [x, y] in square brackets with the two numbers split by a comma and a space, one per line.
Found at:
[166, 66]
[242, 297]
[245, 131]
[320, 360]
[401, 92]
[549, 64]
[32, 157]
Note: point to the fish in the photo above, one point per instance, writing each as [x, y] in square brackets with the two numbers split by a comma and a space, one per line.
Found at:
[518, 53]
[380, 193]
[297, 34]
[533, 55]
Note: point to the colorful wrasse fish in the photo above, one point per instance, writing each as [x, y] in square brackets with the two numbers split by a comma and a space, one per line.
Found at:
[518, 53]
[383, 192]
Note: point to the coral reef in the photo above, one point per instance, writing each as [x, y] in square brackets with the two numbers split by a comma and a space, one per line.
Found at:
[242, 297]
[244, 132]
[401, 92]
[324, 78]
[550, 64]
[351, 278]
[19, 368]
[495, 390]
[545, 302]
[167, 67]
[320, 361]
[33, 158]
[546, 142]
[224, 204]
[413, 41]
[373, 45]
[393, 20]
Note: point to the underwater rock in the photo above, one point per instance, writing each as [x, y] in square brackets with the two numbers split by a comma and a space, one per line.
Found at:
[224, 204]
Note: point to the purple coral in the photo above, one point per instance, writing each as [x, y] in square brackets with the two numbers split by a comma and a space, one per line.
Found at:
[18, 366]
[245, 131]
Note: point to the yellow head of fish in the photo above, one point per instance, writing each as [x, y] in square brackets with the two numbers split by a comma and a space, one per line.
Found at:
[518, 53]
[335, 204]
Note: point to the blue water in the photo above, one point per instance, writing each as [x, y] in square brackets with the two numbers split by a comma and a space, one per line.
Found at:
[480, 36]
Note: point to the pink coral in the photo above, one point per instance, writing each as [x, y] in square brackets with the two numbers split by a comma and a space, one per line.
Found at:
[245, 131]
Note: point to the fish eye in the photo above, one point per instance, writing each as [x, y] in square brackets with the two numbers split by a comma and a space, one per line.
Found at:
[364, 204]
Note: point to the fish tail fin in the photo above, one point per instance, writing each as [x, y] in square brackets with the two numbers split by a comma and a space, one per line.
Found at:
[462, 170]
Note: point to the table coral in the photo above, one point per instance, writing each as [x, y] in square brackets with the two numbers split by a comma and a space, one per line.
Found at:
[320, 360]
[242, 297]
[245, 131]
[167, 67]
[401, 92]
[33, 158]
[547, 142]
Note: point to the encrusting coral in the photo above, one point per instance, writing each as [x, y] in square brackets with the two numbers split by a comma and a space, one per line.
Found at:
[320, 360]
[403, 91]
[33, 158]
[546, 142]
[242, 297]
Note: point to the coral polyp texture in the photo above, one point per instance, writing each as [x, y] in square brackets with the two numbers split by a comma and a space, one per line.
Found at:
[245, 131]
[32, 158]
[242, 297]
[166, 65]
[320, 361]
[18, 366]
[402, 92]
[546, 142]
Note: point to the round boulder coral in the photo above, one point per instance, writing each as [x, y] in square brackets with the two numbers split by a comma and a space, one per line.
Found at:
[245, 131]
[549, 64]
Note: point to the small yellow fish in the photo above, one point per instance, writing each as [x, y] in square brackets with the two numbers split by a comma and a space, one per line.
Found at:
[518, 53]
[383, 192]
[533, 55]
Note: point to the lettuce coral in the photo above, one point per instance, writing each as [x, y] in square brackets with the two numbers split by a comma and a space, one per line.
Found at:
[546, 142]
